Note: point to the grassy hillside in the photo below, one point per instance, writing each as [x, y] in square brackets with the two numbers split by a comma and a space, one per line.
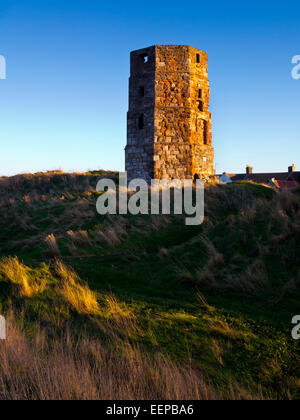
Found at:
[145, 306]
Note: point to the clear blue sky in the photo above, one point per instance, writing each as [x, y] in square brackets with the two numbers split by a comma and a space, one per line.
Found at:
[64, 102]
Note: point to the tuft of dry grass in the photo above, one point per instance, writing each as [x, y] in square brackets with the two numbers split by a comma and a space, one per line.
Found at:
[52, 245]
[120, 317]
[80, 239]
[163, 253]
[77, 294]
[26, 284]
[215, 258]
[108, 236]
[64, 283]
[112, 235]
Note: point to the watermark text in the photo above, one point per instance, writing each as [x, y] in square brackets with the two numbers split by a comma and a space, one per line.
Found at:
[296, 329]
[139, 197]
[2, 328]
[296, 68]
[2, 67]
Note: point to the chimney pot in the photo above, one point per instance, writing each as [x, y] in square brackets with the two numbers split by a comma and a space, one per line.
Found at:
[249, 170]
[292, 168]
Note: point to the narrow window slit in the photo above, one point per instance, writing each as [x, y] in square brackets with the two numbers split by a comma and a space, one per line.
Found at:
[205, 132]
[141, 122]
[144, 58]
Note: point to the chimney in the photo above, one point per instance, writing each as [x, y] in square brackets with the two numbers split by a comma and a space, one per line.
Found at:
[249, 170]
[291, 168]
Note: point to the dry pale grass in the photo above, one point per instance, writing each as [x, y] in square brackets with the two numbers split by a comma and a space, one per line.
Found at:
[78, 295]
[223, 329]
[120, 318]
[258, 227]
[64, 284]
[51, 181]
[25, 283]
[52, 245]
[113, 234]
[215, 257]
[85, 369]
[108, 236]
[163, 253]
[80, 239]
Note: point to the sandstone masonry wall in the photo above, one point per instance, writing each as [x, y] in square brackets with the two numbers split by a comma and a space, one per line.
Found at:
[169, 123]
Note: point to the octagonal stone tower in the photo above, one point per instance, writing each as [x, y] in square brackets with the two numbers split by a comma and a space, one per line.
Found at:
[168, 122]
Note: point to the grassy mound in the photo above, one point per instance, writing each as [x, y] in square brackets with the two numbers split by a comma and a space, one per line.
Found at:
[209, 306]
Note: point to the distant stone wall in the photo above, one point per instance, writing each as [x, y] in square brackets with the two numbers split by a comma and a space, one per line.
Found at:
[169, 125]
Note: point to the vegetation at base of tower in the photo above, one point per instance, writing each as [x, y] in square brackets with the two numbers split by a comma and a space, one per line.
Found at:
[144, 306]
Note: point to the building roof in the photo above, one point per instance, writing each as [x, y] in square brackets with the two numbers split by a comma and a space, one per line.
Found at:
[264, 178]
[285, 184]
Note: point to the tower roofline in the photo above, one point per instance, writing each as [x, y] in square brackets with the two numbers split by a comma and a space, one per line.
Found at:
[167, 46]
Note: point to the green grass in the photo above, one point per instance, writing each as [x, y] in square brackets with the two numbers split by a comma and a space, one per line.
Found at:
[221, 295]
